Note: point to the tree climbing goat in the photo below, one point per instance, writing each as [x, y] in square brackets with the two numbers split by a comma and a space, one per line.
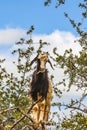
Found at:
[41, 88]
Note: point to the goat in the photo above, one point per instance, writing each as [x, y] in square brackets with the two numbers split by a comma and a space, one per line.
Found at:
[41, 88]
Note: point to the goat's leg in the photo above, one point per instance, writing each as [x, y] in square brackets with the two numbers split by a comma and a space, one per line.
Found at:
[35, 113]
[47, 106]
[46, 112]
[41, 110]
[48, 102]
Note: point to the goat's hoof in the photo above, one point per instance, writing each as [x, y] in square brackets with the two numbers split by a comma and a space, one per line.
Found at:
[36, 124]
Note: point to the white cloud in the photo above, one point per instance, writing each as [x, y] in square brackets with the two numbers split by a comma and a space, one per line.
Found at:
[60, 39]
[10, 35]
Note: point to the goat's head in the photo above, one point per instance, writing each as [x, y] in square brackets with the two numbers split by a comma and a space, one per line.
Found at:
[41, 59]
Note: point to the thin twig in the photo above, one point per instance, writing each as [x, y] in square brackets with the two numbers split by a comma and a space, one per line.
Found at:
[27, 126]
[76, 108]
[9, 109]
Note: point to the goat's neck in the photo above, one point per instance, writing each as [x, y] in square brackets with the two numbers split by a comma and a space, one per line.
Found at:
[42, 75]
[40, 71]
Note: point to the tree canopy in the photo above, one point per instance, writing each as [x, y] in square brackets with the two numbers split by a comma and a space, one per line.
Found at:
[15, 102]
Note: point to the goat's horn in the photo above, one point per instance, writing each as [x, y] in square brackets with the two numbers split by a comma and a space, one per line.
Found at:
[50, 64]
[33, 60]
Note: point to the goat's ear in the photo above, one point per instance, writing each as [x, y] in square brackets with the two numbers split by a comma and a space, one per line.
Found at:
[50, 64]
[33, 60]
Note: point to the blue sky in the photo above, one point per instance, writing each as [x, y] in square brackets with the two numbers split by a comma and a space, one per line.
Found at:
[16, 17]
[24, 13]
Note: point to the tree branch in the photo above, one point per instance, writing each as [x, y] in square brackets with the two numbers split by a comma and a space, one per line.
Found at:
[9, 109]
[76, 108]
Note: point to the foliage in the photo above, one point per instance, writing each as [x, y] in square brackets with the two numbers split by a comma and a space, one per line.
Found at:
[76, 122]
